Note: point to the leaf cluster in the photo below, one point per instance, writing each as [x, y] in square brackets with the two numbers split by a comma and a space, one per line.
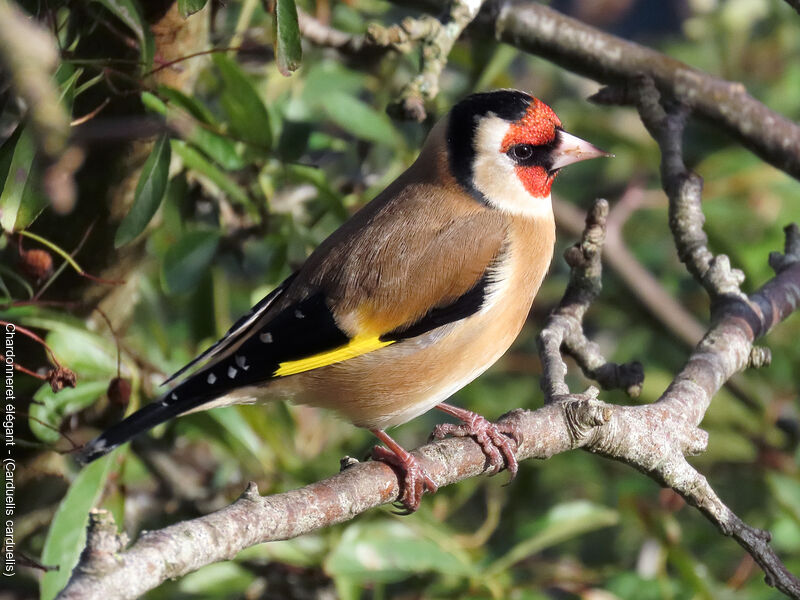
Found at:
[240, 174]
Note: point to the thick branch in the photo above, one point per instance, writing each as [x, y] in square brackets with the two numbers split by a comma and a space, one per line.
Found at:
[656, 438]
[652, 438]
[666, 121]
[320, 34]
[105, 572]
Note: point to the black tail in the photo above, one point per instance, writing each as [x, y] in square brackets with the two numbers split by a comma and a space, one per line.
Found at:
[188, 395]
[252, 363]
[139, 422]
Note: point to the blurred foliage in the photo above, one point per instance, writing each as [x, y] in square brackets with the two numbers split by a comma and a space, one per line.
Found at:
[247, 171]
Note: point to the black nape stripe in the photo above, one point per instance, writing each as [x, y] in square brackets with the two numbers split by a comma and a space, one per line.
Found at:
[462, 125]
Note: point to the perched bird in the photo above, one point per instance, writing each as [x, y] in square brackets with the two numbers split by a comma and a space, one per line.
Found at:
[415, 296]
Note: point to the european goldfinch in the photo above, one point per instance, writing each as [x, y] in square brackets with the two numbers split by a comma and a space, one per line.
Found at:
[415, 296]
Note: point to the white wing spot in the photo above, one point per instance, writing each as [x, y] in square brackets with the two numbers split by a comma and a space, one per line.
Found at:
[266, 337]
[231, 372]
[241, 360]
[173, 396]
[163, 403]
[211, 379]
[299, 314]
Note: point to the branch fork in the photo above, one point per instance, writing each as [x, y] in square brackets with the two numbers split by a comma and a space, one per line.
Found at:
[653, 439]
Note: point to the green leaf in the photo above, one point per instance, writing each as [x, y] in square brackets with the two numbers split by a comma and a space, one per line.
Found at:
[189, 7]
[221, 580]
[191, 105]
[390, 551]
[128, 12]
[7, 151]
[38, 317]
[323, 78]
[786, 490]
[202, 167]
[85, 352]
[67, 534]
[221, 149]
[193, 121]
[51, 408]
[154, 104]
[21, 199]
[230, 424]
[360, 119]
[319, 179]
[240, 100]
[562, 522]
[149, 193]
[288, 50]
[293, 140]
[67, 77]
[187, 261]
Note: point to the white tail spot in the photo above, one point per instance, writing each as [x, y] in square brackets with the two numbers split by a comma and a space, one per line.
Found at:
[299, 314]
[231, 372]
[266, 337]
[211, 379]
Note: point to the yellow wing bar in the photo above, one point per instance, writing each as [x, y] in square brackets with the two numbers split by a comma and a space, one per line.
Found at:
[357, 346]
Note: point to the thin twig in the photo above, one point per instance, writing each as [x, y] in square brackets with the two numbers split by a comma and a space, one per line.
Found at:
[564, 326]
[647, 289]
[581, 48]
[320, 34]
[436, 39]
[68, 257]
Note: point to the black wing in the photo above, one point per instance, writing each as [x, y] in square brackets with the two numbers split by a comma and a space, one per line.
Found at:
[299, 331]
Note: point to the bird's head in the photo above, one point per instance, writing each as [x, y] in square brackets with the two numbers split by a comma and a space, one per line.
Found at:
[506, 147]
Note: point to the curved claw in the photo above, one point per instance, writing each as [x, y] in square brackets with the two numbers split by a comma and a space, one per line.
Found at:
[414, 480]
[499, 441]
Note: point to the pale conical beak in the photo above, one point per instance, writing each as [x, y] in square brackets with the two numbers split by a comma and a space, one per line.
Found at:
[571, 149]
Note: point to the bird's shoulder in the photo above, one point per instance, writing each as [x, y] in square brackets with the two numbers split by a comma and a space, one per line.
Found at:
[422, 248]
[413, 259]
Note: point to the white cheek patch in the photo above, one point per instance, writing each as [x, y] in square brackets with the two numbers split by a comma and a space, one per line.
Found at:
[494, 176]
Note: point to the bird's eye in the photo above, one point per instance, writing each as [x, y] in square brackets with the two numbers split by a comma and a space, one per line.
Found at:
[521, 152]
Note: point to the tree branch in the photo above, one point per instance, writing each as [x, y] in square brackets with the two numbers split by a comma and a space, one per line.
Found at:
[606, 58]
[666, 121]
[436, 38]
[652, 438]
[564, 327]
[656, 438]
[320, 34]
[646, 288]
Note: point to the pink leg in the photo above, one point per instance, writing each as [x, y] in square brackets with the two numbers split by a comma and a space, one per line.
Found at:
[414, 478]
[499, 449]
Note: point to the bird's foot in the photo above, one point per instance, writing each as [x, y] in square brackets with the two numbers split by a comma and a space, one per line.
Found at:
[499, 441]
[414, 481]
